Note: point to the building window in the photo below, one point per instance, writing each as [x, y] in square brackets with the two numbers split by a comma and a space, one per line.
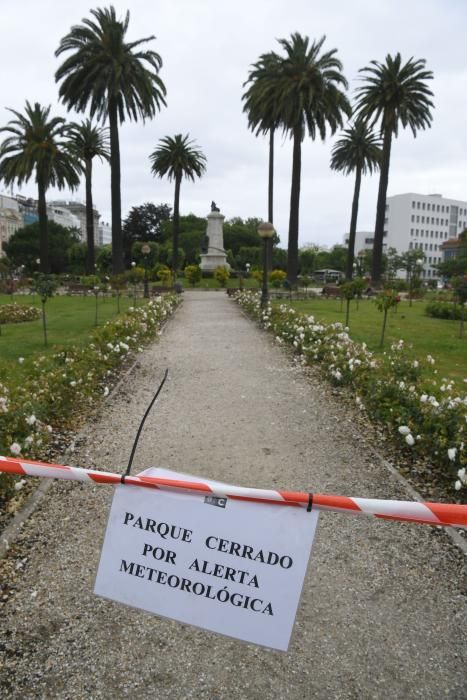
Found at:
[410, 245]
[418, 205]
[423, 206]
[413, 205]
[411, 231]
[437, 221]
[418, 219]
[412, 218]
[431, 234]
[437, 207]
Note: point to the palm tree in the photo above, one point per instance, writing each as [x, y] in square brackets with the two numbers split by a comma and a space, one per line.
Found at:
[304, 95]
[258, 100]
[358, 149]
[88, 142]
[38, 145]
[394, 93]
[176, 158]
[107, 74]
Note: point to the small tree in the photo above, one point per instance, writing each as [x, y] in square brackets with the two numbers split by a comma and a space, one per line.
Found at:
[118, 284]
[277, 277]
[45, 286]
[221, 274]
[165, 275]
[347, 292]
[460, 291]
[385, 301]
[193, 274]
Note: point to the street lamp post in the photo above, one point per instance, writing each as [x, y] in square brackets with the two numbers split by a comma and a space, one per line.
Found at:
[266, 232]
[145, 249]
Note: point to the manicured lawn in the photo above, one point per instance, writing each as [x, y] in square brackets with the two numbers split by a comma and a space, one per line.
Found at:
[70, 320]
[429, 336]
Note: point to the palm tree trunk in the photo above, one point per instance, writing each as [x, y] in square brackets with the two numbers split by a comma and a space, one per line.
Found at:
[117, 242]
[44, 265]
[90, 262]
[292, 251]
[377, 263]
[176, 228]
[271, 177]
[353, 224]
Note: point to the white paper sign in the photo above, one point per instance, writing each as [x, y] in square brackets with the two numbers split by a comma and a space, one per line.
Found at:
[234, 567]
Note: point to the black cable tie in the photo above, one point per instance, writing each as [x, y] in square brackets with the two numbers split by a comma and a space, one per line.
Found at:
[310, 503]
[127, 472]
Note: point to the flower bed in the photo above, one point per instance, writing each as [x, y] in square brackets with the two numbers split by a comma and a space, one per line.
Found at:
[16, 313]
[65, 385]
[423, 413]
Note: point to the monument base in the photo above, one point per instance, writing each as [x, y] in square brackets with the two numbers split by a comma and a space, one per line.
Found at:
[211, 261]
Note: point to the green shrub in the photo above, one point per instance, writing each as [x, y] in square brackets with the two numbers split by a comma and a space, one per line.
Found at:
[221, 274]
[277, 277]
[193, 274]
[445, 310]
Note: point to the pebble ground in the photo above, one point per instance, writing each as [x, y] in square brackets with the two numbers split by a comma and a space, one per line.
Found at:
[382, 613]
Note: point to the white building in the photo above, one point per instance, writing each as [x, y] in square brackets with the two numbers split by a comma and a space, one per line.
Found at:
[78, 209]
[63, 216]
[418, 221]
[104, 234]
[10, 219]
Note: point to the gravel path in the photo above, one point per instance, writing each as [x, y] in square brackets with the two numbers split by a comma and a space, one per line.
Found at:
[382, 613]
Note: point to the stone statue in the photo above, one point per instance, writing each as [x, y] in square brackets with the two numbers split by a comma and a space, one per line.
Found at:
[214, 207]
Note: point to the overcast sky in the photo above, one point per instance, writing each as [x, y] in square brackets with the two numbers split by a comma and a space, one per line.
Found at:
[207, 47]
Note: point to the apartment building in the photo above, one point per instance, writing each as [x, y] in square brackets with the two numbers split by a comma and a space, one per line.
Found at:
[417, 221]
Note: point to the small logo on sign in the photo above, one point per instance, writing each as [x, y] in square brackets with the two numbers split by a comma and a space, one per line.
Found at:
[215, 501]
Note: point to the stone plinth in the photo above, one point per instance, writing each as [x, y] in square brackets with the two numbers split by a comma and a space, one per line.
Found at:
[216, 256]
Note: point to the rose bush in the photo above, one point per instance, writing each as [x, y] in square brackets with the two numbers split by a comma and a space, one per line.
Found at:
[61, 387]
[423, 413]
[17, 313]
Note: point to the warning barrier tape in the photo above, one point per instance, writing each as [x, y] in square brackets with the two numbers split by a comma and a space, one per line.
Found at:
[445, 514]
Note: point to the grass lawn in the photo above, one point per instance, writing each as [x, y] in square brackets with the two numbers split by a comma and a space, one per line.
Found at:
[429, 336]
[70, 320]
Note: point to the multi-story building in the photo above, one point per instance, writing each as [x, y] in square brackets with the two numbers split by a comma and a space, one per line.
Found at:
[104, 233]
[10, 219]
[78, 209]
[64, 217]
[418, 221]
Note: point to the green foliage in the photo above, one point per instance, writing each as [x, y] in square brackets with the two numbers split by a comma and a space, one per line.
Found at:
[23, 247]
[90, 281]
[193, 274]
[277, 277]
[148, 260]
[104, 258]
[385, 301]
[446, 310]
[144, 223]
[45, 286]
[164, 274]
[221, 274]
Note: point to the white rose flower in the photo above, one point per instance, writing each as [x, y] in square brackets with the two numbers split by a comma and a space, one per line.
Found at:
[409, 440]
[452, 453]
[15, 448]
[404, 430]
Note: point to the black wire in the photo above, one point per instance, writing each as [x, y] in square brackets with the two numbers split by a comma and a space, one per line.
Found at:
[127, 473]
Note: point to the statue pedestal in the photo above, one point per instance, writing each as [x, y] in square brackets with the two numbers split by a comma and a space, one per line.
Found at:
[215, 257]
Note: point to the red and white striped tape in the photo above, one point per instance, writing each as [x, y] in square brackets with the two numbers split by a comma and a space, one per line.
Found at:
[410, 511]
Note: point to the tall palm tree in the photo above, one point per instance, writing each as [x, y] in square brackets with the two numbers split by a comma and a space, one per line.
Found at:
[107, 74]
[305, 95]
[89, 141]
[261, 119]
[38, 146]
[177, 158]
[358, 149]
[394, 93]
